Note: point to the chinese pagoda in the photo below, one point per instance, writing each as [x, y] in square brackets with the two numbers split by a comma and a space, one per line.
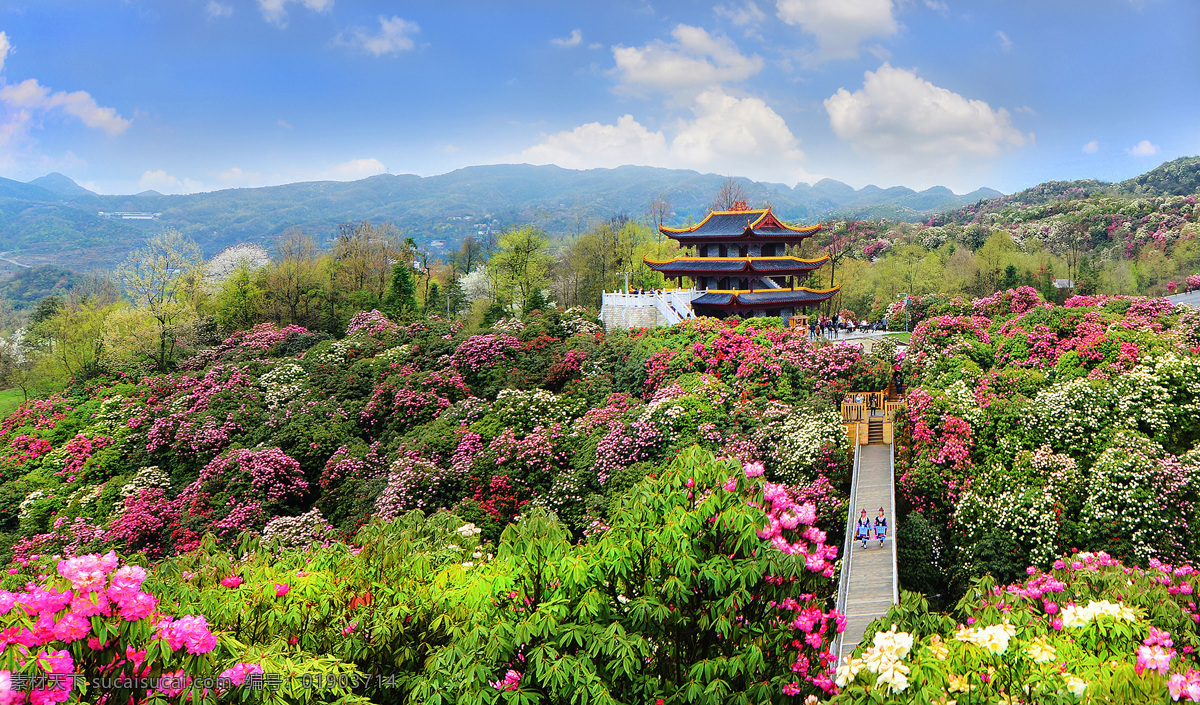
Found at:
[739, 265]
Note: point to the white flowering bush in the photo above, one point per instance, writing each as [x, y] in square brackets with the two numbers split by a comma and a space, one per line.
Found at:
[1023, 505]
[351, 347]
[1072, 416]
[1141, 497]
[283, 383]
[298, 531]
[1161, 397]
[113, 415]
[397, 354]
[150, 477]
[26, 506]
[523, 410]
[512, 326]
[805, 440]
[577, 321]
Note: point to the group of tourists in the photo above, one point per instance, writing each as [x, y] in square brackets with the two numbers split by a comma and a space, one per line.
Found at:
[864, 526]
[835, 326]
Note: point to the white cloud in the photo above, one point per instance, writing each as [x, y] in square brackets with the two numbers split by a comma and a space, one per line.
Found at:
[726, 134]
[159, 180]
[571, 40]
[1005, 42]
[5, 47]
[395, 36]
[1091, 147]
[284, 124]
[598, 145]
[353, 170]
[1143, 149]
[215, 10]
[29, 95]
[840, 25]
[741, 16]
[275, 11]
[905, 120]
[238, 177]
[696, 61]
[937, 6]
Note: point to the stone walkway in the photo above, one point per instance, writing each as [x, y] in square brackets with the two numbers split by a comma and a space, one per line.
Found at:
[870, 586]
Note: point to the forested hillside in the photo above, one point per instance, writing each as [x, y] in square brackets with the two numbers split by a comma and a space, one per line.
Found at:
[52, 220]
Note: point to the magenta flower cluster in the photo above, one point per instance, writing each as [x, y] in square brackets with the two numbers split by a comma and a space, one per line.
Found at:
[481, 352]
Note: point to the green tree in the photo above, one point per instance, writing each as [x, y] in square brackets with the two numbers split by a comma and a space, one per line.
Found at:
[1010, 280]
[535, 302]
[240, 301]
[401, 299]
[292, 283]
[433, 300]
[455, 297]
[159, 278]
[521, 265]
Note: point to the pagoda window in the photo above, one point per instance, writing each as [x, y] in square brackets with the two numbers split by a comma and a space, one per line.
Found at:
[724, 251]
[742, 251]
[768, 250]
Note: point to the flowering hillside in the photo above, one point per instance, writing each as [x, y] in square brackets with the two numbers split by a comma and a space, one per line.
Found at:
[538, 509]
[379, 503]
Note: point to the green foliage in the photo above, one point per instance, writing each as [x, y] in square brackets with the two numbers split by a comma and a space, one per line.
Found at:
[29, 285]
[401, 299]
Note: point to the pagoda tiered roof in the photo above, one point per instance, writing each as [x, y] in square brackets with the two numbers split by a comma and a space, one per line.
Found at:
[770, 266]
[758, 225]
[757, 298]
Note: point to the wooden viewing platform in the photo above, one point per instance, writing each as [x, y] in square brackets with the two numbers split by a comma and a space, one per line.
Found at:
[869, 582]
[869, 416]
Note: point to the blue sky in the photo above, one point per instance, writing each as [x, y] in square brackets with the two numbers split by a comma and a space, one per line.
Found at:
[190, 95]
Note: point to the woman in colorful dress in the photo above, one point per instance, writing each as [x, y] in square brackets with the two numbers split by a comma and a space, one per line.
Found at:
[863, 529]
[880, 527]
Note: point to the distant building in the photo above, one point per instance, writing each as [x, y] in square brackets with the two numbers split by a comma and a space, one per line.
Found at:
[1064, 284]
[129, 215]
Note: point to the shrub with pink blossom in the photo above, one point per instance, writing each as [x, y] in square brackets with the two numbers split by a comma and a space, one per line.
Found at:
[371, 323]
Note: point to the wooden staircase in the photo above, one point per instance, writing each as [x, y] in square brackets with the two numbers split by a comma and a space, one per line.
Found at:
[875, 431]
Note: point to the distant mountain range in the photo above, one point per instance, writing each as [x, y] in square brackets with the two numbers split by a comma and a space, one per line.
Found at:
[54, 220]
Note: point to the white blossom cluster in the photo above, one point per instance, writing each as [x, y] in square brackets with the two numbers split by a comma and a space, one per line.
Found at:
[283, 383]
[1123, 498]
[574, 323]
[1070, 416]
[299, 531]
[1160, 394]
[86, 495]
[963, 404]
[26, 504]
[339, 351]
[229, 259]
[567, 491]
[523, 410]
[112, 417]
[149, 477]
[512, 326]
[466, 411]
[802, 437]
[398, 353]
[1023, 513]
